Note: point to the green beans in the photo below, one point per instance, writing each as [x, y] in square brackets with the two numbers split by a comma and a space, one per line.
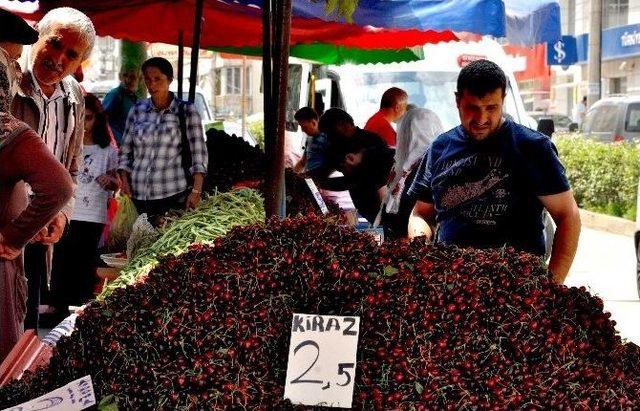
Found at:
[216, 215]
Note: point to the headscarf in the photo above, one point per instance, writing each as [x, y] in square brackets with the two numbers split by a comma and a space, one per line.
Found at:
[9, 83]
[416, 131]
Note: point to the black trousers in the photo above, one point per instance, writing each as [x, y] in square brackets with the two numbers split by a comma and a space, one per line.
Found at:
[75, 258]
[157, 208]
[35, 267]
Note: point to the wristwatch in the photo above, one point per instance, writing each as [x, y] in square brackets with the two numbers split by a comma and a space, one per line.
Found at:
[194, 191]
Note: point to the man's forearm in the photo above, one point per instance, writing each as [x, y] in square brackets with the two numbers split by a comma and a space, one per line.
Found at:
[332, 184]
[565, 244]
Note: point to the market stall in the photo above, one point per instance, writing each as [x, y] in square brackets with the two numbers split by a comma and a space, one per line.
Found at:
[439, 327]
[206, 311]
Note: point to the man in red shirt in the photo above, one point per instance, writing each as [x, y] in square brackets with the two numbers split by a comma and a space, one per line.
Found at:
[392, 106]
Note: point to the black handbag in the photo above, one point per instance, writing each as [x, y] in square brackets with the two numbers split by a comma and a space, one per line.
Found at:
[185, 152]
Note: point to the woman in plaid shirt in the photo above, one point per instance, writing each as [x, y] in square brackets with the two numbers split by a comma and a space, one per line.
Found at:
[151, 158]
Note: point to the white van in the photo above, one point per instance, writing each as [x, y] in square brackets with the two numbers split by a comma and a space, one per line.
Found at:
[430, 83]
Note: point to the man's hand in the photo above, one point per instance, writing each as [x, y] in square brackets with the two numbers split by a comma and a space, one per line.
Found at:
[421, 215]
[41, 234]
[351, 162]
[193, 200]
[8, 252]
[55, 229]
[418, 227]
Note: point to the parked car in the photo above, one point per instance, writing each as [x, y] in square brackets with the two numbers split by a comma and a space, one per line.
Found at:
[613, 119]
[561, 122]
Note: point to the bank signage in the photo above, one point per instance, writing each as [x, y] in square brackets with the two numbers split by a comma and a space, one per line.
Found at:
[562, 52]
[617, 43]
[621, 42]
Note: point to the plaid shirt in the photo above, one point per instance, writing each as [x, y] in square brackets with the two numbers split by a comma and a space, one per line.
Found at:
[151, 149]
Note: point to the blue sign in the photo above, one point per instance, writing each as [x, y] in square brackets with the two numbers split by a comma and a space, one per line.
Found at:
[617, 43]
[562, 52]
[621, 42]
[582, 42]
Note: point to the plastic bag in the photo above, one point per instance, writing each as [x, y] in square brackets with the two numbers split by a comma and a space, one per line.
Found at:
[122, 224]
[142, 235]
[112, 209]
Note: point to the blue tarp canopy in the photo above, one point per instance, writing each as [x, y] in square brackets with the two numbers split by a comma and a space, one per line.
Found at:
[522, 22]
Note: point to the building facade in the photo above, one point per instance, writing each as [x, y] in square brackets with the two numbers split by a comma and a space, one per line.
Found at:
[237, 86]
[620, 55]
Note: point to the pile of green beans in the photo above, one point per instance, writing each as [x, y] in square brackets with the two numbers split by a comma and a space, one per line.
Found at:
[215, 215]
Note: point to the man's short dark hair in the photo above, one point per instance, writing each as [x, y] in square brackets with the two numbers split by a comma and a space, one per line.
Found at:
[481, 77]
[392, 96]
[161, 64]
[332, 118]
[305, 114]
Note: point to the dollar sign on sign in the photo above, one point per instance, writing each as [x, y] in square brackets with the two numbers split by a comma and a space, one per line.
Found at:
[560, 54]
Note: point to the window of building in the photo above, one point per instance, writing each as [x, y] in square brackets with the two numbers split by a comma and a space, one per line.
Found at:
[217, 82]
[233, 80]
[618, 85]
[248, 77]
[615, 13]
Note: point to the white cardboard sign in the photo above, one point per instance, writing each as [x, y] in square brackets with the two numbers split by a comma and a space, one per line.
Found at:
[75, 396]
[322, 360]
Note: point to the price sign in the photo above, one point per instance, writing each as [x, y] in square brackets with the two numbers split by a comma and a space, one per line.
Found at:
[322, 360]
[75, 396]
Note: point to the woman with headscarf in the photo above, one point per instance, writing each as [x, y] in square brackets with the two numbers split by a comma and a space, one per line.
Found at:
[23, 158]
[417, 129]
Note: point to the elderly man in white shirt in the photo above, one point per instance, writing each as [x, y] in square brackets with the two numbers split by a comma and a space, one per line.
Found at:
[52, 103]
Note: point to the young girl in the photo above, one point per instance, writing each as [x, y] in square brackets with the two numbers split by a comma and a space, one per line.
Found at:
[73, 276]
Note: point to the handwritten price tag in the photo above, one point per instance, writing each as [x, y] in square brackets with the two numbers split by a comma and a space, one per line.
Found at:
[75, 396]
[322, 360]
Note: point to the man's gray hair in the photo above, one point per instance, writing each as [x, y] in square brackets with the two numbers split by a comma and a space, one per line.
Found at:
[71, 18]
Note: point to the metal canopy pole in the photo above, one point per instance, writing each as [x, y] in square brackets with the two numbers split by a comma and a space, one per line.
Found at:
[284, 25]
[277, 27]
[180, 62]
[268, 103]
[195, 50]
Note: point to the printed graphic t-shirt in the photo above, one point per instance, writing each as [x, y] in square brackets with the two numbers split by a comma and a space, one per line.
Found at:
[485, 192]
[91, 199]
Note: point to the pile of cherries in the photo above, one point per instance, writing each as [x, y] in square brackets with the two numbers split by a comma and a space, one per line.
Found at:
[441, 328]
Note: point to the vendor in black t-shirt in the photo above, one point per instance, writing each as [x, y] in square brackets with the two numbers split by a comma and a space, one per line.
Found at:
[485, 183]
[363, 157]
